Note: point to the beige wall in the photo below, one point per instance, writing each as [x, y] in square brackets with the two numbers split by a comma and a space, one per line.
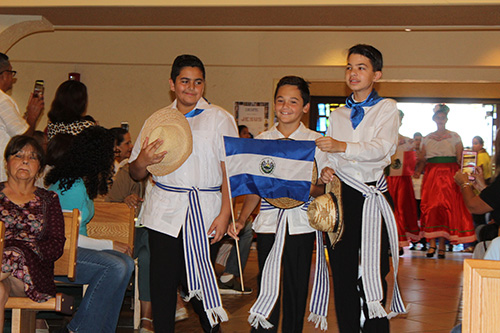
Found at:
[127, 72]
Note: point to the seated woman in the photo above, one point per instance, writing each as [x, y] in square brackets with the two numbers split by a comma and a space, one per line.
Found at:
[34, 226]
[78, 176]
[489, 198]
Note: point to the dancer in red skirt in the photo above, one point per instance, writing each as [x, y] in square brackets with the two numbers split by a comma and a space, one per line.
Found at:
[444, 214]
[400, 187]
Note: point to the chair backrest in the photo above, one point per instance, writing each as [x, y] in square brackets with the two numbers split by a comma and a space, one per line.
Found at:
[114, 221]
[66, 264]
[2, 236]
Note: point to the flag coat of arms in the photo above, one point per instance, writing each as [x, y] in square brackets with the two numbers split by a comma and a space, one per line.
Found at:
[270, 168]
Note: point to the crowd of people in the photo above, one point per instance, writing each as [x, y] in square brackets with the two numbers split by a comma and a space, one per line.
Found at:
[185, 212]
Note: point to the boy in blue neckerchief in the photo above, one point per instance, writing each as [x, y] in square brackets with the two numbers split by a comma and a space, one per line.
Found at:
[361, 139]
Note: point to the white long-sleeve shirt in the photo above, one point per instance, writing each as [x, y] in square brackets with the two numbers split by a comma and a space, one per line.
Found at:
[370, 146]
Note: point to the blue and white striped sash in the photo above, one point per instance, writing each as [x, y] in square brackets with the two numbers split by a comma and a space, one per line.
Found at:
[201, 278]
[376, 204]
[270, 281]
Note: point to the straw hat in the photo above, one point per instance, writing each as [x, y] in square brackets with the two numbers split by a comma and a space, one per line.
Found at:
[287, 203]
[326, 213]
[172, 127]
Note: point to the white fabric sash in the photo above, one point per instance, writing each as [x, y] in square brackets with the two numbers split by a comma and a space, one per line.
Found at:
[376, 204]
[201, 278]
[270, 282]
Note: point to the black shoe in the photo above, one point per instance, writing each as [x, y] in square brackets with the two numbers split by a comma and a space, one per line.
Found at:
[441, 254]
[431, 252]
[232, 287]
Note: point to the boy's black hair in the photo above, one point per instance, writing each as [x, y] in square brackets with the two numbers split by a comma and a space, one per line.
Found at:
[298, 82]
[186, 60]
[371, 53]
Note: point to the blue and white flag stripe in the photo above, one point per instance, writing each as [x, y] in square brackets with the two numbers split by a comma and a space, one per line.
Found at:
[291, 149]
[270, 168]
[285, 169]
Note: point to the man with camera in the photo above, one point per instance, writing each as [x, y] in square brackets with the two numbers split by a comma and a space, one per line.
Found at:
[11, 121]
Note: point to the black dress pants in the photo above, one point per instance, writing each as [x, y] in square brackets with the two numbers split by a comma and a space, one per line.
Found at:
[167, 271]
[296, 264]
[344, 261]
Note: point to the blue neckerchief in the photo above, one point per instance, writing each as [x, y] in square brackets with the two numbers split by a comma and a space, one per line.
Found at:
[193, 113]
[358, 112]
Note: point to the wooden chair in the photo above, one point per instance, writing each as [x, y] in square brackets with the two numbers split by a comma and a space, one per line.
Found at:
[24, 309]
[116, 221]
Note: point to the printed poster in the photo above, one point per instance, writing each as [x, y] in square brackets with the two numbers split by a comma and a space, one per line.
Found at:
[254, 115]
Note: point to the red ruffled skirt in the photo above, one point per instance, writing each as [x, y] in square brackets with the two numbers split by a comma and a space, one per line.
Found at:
[405, 208]
[444, 213]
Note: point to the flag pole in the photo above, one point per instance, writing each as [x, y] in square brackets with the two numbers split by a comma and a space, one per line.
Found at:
[234, 224]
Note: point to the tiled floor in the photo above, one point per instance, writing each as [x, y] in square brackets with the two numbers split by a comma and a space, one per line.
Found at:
[431, 289]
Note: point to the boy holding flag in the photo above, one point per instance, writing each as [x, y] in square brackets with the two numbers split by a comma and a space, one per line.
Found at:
[284, 235]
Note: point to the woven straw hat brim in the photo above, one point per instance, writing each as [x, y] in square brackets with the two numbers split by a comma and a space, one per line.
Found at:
[288, 203]
[172, 127]
[325, 213]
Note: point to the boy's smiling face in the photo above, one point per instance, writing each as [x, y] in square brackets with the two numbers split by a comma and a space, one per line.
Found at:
[289, 105]
[360, 76]
[188, 88]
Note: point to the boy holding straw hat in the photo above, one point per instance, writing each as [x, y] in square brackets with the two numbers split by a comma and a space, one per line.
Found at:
[360, 140]
[182, 147]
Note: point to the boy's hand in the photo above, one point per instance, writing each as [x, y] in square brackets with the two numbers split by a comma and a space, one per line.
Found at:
[219, 225]
[145, 158]
[234, 233]
[327, 175]
[330, 145]
[148, 155]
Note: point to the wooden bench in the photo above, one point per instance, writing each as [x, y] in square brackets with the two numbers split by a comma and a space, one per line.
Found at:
[24, 309]
[116, 221]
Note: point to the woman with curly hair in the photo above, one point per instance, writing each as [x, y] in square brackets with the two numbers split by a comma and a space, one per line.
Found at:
[444, 214]
[67, 112]
[78, 176]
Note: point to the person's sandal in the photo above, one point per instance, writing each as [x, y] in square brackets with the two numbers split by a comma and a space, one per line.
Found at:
[441, 254]
[430, 254]
[145, 330]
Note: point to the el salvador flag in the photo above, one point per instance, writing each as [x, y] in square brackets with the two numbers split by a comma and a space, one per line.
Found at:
[270, 168]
